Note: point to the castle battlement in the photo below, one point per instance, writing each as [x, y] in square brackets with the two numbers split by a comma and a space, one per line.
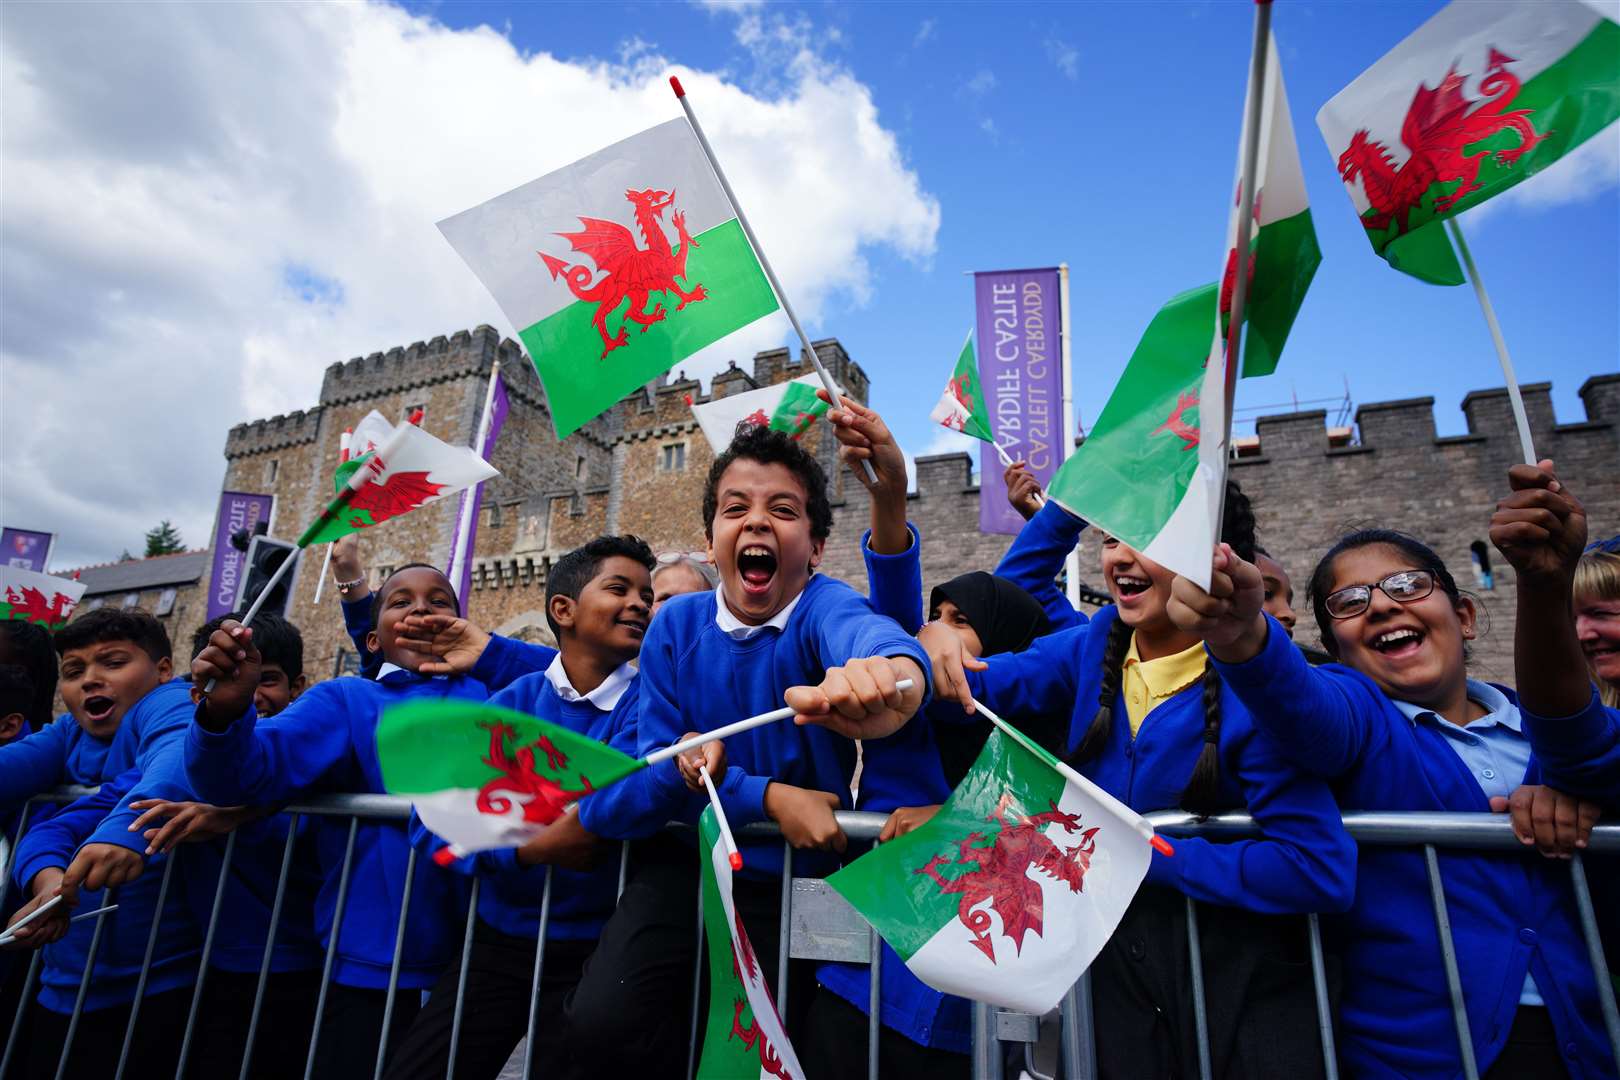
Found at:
[275, 433]
[424, 363]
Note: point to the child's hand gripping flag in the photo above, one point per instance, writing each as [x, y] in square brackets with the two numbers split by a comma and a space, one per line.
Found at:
[29, 596]
[1477, 99]
[1007, 894]
[1152, 471]
[744, 1036]
[791, 407]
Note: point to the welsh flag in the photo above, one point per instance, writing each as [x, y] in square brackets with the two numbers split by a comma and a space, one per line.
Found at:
[744, 1036]
[615, 268]
[1010, 891]
[791, 407]
[1148, 474]
[482, 776]
[30, 596]
[1477, 99]
[410, 468]
[961, 406]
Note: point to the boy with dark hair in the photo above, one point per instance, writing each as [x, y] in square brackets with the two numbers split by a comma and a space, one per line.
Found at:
[326, 741]
[115, 681]
[16, 701]
[772, 631]
[598, 603]
[281, 652]
[28, 646]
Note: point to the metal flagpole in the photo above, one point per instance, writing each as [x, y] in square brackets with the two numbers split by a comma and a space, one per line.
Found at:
[326, 563]
[1245, 230]
[1520, 418]
[464, 521]
[759, 253]
[1072, 562]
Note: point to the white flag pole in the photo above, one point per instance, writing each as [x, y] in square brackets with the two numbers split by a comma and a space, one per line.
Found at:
[759, 253]
[1119, 809]
[733, 856]
[326, 563]
[736, 728]
[1520, 418]
[1245, 230]
[458, 562]
[1072, 561]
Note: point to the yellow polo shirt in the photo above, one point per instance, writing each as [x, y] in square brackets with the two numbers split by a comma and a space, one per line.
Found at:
[1146, 684]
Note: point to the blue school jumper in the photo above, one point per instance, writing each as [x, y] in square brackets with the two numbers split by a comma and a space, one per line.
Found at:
[1510, 914]
[1304, 862]
[1035, 557]
[325, 741]
[1579, 754]
[509, 894]
[696, 677]
[62, 753]
[902, 769]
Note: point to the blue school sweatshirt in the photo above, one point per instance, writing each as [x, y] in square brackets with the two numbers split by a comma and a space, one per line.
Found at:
[696, 677]
[1305, 861]
[1579, 754]
[62, 753]
[1510, 913]
[325, 741]
[1036, 557]
[902, 769]
[509, 893]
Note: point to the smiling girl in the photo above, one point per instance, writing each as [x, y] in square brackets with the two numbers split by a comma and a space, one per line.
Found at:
[1152, 724]
[1397, 724]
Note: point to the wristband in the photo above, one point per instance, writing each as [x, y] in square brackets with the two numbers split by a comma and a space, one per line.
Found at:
[345, 586]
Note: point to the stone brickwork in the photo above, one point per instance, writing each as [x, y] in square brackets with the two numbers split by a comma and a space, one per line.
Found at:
[640, 468]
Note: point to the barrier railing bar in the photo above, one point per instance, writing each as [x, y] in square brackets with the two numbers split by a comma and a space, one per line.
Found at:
[986, 1046]
[624, 869]
[1078, 1037]
[11, 850]
[1594, 953]
[783, 928]
[84, 990]
[332, 945]
[539, 967]
[207, 954]
[1448, 953]
[697, 985]
[1324, 1010]
[269, 945]
[22, 1007]
[461, 979]
[146, 965]
[393, 969]
[1195, 951]
[1386, 828]
[874, 1008]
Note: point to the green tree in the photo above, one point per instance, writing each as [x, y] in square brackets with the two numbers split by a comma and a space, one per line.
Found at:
[163, 540]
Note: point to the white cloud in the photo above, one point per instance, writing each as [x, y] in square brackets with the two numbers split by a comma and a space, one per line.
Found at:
[982, 82]
[1593, 168]
[1065, 56]
[235, 196]
[925, 31]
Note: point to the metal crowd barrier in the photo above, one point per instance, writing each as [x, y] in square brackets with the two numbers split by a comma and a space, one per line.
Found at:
[817, 924]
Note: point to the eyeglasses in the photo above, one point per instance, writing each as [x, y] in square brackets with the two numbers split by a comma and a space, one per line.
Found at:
[665, 558]
[1406, 587]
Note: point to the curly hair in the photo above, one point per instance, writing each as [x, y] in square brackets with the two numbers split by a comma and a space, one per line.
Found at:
[756, 442]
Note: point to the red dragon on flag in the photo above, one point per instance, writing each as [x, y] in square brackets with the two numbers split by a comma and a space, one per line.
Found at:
[521, 776]
[628, 270]
[30, 605]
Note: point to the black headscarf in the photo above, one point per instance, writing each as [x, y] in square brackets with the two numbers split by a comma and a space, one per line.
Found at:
[1007, 619]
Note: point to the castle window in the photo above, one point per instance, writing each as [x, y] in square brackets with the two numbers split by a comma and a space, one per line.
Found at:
[494, 515]
[579, 467]
[673, 458]
[131, 599]
[165, 604]
[271, 468]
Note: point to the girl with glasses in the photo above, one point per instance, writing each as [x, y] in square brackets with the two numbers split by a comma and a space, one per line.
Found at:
[1397, 724]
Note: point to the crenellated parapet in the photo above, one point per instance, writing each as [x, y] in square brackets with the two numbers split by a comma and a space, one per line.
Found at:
[275, 433]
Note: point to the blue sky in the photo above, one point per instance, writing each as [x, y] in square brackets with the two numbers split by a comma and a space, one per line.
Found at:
[1104, 135]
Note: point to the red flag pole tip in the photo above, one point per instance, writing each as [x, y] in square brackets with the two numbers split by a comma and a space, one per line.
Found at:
[1161, 845]
[416, 416]
[675, 85]
[444, 856]
[736, 860]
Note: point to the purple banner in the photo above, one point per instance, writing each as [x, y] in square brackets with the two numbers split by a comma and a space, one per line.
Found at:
[472, 498]
[24, 548]
[237, 510]
[1021, 370]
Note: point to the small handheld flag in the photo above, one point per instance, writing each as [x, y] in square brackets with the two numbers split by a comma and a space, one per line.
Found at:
[732, 854]
[43, 599]
[791, 407]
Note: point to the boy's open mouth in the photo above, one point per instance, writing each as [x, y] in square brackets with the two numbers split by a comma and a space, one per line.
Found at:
[756, 565]
[1131, 585]
[1398, 643]
[99, 708]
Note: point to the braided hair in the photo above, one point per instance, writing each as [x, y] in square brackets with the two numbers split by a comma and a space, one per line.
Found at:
[1202, 793]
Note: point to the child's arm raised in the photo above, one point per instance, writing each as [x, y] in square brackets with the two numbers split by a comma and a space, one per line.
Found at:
[1036, 555]
[465, 648]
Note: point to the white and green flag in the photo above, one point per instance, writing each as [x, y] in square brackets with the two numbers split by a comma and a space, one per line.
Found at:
[37, 597]
[744, 1037]
[1478, 98]
[1008, 893]
[791, 407]
[616, 267]
[961, 406]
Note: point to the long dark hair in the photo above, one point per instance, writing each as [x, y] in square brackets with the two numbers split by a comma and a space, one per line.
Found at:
[1202, 795]
[1410, 546]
